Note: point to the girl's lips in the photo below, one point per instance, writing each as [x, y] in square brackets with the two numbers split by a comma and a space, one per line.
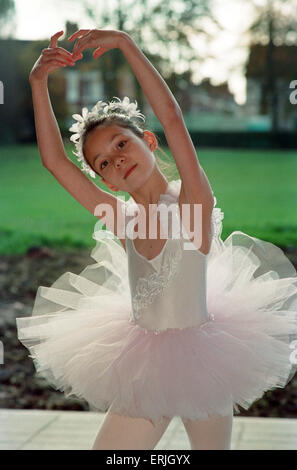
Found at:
[129, 171]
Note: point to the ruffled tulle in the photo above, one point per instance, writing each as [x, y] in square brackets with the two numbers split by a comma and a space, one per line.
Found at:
[81, 338]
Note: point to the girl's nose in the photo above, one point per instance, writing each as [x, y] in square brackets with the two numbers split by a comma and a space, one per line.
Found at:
[120, 161]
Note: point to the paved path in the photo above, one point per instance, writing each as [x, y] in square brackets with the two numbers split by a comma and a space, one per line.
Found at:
[76, 430]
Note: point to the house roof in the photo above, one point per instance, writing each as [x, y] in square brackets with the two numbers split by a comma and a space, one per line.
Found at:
[285, 59]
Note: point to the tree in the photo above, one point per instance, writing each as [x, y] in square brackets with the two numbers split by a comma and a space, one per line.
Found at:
[274, 24]
[7, 12]
[163, 31]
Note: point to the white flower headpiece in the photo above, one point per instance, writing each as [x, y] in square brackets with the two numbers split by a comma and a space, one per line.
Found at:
[100, 109]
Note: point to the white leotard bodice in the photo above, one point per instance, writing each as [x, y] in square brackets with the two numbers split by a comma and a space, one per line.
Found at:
[168, 291]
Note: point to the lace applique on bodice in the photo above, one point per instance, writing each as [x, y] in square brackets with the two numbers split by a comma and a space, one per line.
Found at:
[155, 283]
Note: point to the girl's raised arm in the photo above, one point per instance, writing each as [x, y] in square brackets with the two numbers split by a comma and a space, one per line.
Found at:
[195, 186]
[48, 135]
[49, 139]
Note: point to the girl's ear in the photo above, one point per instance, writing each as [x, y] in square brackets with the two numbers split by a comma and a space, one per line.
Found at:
[110, 186]
[151, 140]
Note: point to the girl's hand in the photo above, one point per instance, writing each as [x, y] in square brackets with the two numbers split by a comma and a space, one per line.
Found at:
[51, 58]
[103, 40]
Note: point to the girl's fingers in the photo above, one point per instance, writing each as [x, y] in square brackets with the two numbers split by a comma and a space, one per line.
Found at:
[60, 54]
[65, 56]
[65, 52]
[79, 46]
[54, 62]
[54, 39]
[98, 52]
[57, 50]
[61, 64]
[82, 43]
[78, 33]
[59, 61]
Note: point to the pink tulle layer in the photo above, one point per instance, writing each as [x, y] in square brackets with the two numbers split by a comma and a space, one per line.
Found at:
[82, 341]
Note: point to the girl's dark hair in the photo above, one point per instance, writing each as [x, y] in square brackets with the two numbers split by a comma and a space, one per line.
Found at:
[132, 123]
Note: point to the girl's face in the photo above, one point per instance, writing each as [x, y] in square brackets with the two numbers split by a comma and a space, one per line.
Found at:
[113, 150]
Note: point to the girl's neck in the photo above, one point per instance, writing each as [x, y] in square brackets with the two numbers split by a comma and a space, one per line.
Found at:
[150, 191]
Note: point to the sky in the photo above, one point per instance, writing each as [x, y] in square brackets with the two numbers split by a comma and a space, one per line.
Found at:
[38, 19]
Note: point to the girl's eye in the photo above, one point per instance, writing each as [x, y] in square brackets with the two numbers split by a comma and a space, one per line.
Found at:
[102, 168]
[122, 142]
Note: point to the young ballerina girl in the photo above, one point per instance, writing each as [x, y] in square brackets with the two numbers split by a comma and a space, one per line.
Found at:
[189, 326]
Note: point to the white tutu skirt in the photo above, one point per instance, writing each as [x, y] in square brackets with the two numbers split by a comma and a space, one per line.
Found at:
[82, 341]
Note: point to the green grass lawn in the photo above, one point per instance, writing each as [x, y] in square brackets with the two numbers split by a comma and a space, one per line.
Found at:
[256, 190]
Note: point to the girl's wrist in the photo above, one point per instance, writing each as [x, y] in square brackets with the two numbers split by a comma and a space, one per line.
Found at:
[123, 39]
[34, 81]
